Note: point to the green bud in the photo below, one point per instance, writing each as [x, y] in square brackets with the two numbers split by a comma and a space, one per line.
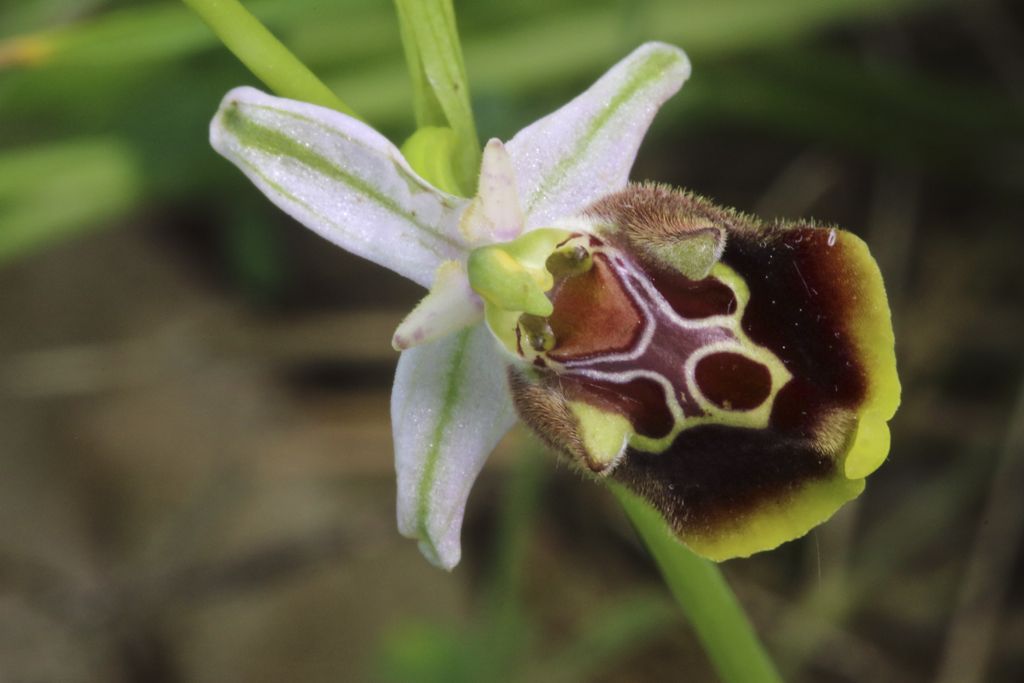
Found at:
[431, 153]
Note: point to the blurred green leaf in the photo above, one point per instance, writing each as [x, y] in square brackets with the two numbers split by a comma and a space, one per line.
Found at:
[56, 191]
[428, 654]
[28, 15]
[161, 31]
[609, 634]
[886, 112]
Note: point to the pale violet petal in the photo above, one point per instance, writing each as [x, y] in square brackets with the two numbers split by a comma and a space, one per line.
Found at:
[450, 306]
[571, 158]
[342, 179]
[449, 408]
[495, 215]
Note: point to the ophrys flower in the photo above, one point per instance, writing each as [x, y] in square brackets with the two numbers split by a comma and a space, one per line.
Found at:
[626, 314]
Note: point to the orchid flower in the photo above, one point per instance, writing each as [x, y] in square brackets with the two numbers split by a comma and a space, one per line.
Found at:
[640, 331]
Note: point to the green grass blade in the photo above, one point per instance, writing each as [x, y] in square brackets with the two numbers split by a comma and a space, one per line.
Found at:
[704, 596]
[263, 54]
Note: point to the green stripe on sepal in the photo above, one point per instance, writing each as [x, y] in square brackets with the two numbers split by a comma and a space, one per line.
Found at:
[449, 407]
[573, 157]
[341, 179]
[644, 72]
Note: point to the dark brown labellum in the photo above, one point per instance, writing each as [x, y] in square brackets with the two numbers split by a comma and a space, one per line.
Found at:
[719, 366]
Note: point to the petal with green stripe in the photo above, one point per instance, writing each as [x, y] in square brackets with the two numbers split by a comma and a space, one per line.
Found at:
[342, 179]
[576, 155]
[449, 408]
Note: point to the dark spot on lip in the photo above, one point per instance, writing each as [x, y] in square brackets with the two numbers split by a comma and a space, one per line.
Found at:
[692, 299]
[732, 381]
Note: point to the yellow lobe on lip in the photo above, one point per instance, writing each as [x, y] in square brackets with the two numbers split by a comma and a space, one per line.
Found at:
[604, 433]
[876, 344]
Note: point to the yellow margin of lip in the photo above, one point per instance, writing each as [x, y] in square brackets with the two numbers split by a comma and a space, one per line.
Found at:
[876, 347]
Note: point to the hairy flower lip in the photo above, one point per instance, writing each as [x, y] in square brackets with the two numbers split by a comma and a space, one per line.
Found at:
[745, 426]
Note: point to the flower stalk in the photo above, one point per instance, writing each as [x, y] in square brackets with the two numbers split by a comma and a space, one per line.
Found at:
[439, 84]
[704, 596]
[263, 54]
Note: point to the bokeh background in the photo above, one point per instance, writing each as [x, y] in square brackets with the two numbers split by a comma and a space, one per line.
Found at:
[196, 480]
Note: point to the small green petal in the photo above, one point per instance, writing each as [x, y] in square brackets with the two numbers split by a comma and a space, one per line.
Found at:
[450, 306]
[504, 282]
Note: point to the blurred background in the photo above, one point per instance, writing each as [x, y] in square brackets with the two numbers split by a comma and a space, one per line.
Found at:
[196, 480]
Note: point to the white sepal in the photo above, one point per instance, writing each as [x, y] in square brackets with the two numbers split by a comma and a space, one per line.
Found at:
[582, 152]
[449, 408]
[342, 179]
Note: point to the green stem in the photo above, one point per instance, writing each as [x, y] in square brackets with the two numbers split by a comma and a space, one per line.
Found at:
[263, 54]
[704, 596]
[440, 86]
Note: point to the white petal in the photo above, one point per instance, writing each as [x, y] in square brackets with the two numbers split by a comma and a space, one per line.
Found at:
[342, 179]
[571, 158]
[495, 215]
[450, 306]
[449, 407]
